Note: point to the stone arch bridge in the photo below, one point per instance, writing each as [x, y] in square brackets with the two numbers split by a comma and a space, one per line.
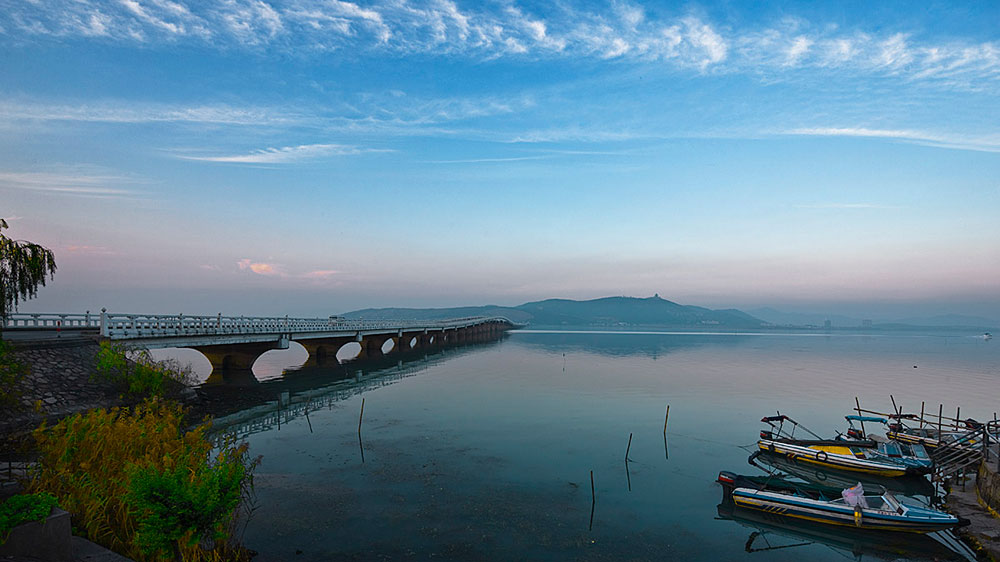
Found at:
[233, 343]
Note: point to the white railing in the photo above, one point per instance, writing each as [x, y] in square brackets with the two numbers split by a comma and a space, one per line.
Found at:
[49, 321]
[131, 326]
[135, 326]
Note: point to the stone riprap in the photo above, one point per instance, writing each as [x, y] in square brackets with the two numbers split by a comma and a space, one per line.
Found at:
[60, 382]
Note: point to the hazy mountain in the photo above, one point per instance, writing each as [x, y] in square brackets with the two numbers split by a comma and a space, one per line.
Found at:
[608, 312]
[839, 321]
[804, 318]
[438, 313]
[951, 320]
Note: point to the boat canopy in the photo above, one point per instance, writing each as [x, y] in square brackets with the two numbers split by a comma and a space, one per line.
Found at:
[866, 419]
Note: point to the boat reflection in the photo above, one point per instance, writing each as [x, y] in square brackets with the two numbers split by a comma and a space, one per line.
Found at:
[774, 532]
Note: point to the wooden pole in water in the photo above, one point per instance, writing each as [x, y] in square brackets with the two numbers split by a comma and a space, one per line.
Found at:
[627, 449]
[894, 408]
[665, 418]
[940, 413]
[593, 500]
[858, 404]
[958, 412]
[361, 416]
[921, 414]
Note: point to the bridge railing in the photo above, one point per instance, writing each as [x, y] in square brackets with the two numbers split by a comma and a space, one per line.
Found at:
[129, 326]
[52, 321]
[133, 326]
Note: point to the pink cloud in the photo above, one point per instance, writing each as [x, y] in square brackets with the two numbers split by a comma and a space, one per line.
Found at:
[319, 274]
[260, 268]
[85, 250]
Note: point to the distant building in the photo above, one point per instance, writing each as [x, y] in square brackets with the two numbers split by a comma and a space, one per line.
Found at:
[866, 324]
[827, 324]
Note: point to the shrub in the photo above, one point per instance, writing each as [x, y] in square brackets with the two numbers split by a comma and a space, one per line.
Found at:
[12, 373]
[24, 508]
[138, 373]
[122, 473]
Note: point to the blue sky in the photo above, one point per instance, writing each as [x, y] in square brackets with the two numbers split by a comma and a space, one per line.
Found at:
[315, 156]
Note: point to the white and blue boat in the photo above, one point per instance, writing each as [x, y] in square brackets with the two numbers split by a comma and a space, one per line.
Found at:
[861, 509]
[839, 454]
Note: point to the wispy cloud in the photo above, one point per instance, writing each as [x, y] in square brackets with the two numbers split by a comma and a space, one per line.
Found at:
[137, 112]
[989, 143]
[486, 160]
[845, 206]
[622, 31]
[286, 154]
[79, 183]
[88, 250]
[320, 274]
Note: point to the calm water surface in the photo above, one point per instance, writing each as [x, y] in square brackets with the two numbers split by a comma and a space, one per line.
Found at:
[485, 453]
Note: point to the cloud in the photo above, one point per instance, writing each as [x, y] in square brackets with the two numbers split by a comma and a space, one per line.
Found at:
[941, 140]
[88, 250]
[320, 274]
[80, 183]
[132, 112]
[485, 160]
[488, 31]
[260, 268]
[285, 155]
[845, 206]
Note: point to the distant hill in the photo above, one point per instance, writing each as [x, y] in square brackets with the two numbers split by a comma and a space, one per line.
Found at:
[603, 312]
[780, 318]
[438, 313]
[951, 321]
[956, 321]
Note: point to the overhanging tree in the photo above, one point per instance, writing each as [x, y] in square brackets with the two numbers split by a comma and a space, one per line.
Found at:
[23, 268]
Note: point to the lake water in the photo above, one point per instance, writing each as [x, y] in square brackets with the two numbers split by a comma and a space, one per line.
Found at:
[486, 452]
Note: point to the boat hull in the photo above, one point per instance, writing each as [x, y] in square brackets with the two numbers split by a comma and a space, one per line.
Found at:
[824, 458]
[819, 511]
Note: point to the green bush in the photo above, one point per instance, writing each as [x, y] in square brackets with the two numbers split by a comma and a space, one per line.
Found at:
[139, 484]
[24, 508]
[12, 373]
[173, 505]
[137, 373]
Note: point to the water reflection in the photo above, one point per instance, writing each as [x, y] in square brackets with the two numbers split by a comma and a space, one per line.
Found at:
[245, 405]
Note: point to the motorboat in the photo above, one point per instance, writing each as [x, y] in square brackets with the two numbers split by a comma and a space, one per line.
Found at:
[909, 485]
[911, 454]
[840, 454]
[854, 507]
[769, 532]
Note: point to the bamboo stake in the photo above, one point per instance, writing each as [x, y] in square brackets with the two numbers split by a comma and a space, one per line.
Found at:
[894, 408]
[665, 418]
[958, 415]
[593, 500]
[361, 416]
[627, 449]
[940, 412]
[307, 417]
[858, 404]
[921, 414]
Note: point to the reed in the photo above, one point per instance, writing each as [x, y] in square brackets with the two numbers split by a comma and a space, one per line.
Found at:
[140, 485]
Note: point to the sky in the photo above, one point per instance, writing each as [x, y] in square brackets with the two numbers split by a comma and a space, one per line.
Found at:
[310, 157]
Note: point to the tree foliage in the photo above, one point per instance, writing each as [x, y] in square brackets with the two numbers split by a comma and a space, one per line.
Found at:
[23, 268]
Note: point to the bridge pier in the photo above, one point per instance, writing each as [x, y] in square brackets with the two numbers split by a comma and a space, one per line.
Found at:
[237, 357]
[324, 350]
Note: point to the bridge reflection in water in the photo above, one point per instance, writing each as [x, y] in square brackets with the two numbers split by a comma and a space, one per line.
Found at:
[244, 405]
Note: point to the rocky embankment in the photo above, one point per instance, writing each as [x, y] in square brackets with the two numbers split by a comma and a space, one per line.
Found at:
[59, 382]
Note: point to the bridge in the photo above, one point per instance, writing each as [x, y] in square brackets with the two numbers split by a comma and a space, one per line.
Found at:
[233, 343]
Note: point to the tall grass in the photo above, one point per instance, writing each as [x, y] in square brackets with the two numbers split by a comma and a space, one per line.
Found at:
[138, 484]
[137, 373]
